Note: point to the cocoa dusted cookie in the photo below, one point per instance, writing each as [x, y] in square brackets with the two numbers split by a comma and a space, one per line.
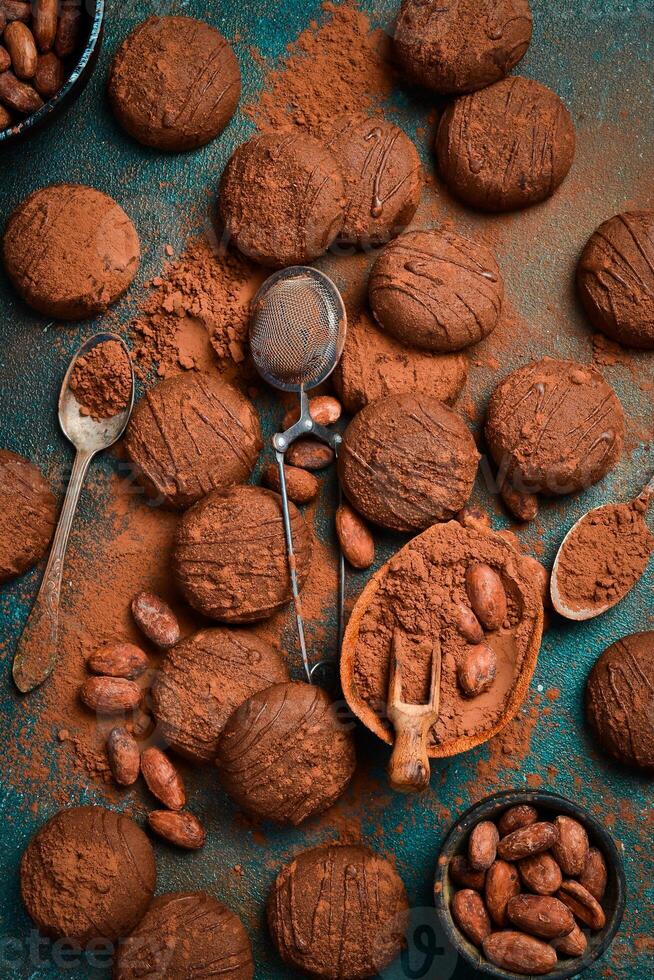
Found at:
[462, 46]
[506, 147]
[436, 290]
[203, 679]
[282, 198]
[554, 427]
[383, 178]
[186, 934]
[27, 515]
[191, 434]
[615, 278]
[374, 365]
[70, 251]
[87, 874]
[620, 700]
[285, 755]
[229, 558]
[174, 83]
[338, 911]
[407, 461]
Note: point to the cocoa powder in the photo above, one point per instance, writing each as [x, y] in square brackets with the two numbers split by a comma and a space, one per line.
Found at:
[101, 381]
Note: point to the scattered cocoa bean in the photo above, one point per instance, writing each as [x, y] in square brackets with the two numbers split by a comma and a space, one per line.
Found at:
[477, 669]
[301, 486]
[309, 454]
[482, 845]
[118, 660]
[517, 952]
[68, 28]
[469, 913]
[502, 883]
[155, 619]
[323, 409]
[110, 695]
[526, 841]
[467, 623]
[49, 76]
[523, 506]
[540, 915]
[162, 779]
[19, 42]
[574, 944]
[582, 904]
[593, 877]
[45, 17]
[522, 815]
[5, 59]
[355, 538]
[571, 849]
[462, 874]
[487, 595]
[541, 874]
[17, 95]
[182, 829]
[124, 756]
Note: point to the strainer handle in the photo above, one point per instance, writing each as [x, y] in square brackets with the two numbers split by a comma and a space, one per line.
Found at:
[292, 563]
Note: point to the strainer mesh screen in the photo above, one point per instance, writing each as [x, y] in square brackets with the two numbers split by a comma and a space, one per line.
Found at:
[295, 332]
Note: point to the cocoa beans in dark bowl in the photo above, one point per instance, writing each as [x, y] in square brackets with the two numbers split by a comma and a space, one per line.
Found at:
[48, 49]
[529, 884]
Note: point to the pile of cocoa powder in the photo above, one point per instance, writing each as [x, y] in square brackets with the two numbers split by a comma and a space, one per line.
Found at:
[101, 381]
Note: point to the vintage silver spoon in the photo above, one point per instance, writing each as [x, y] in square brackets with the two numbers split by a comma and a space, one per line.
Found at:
[596, 609]
[37, 650]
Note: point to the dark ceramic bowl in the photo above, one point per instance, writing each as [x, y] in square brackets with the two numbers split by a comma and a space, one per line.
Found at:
[87, 55]
[548, 804]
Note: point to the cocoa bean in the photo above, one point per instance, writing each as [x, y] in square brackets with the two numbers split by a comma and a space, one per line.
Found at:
[124, 756]
[49, 75]
[571, 849]
[16, 10]
[523, 506]
[502, 883]
[301, 486]
[574, 944]
[118, 660]
[582, 904]
[482, 845]
[162, 779]
[355, 538]
[18, 96]
[477, 670]
[309, 454]
[45, 18]
[522, 815]
[526, 841]
[540, 915]
[323, 409]
[19, 42]
[593, 877]
[487, 595]
[110, 695]
[541, 874]
[5, 59]
[520, 953]
[469, 913]
[68, 29]
[462, 874]
[182, 829]
[156, 620]
[467, 623]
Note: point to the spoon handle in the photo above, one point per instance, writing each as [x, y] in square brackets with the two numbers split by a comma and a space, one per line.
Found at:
[37, 648]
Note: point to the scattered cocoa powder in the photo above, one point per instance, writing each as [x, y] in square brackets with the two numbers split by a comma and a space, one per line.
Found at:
[102, 380]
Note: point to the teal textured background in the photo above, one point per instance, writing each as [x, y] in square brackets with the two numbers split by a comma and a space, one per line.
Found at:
[597, 54]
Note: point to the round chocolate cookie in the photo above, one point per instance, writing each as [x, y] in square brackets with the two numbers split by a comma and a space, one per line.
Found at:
[87, 874]
[183, 935]
[174, 83]
[191, 434]
[436, 290]
[461, 46]
[615, 278]
[507, 146]
[230, 559]
[28, 511]
[374, 365]
[282, 198]
[203, 679]
[285, 755]
[383, 178]
[620, 700]
[338, 911]
[554, 427]
[407, 461]
[70, 251]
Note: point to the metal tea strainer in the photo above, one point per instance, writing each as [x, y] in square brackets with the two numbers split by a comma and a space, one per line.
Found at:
[297, 332]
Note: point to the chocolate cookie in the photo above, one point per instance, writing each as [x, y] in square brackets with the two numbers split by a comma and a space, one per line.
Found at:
[338, 911]
[620, 700]
[615, 278]
[191, 434]
[28, 511]
[186, 934]
[282, 198]
[554, 427]
[70, 251]
[374, 365]
[203, 679]
[436, 290]
[229, 558]
[174, 83]
[407, 461]
[285, 755]
[462, 46]
[87, 874]
[383, 178]
[507, 146]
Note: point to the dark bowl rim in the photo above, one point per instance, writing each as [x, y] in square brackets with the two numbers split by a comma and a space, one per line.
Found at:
[37, 118]
[452, 845]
